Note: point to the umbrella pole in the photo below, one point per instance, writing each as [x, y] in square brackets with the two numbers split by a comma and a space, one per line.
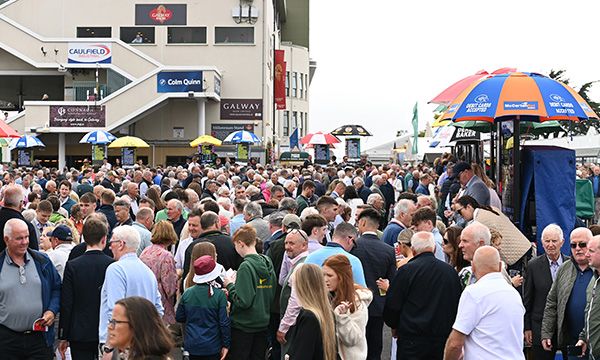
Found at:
[517, 171]
[492, 155]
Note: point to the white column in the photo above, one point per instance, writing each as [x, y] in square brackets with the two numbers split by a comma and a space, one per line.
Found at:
[201, 116]
[61, 152]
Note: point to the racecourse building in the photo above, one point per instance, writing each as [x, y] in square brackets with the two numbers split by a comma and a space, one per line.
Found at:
[165, 72]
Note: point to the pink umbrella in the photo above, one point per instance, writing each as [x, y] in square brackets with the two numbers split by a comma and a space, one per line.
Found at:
[446, 96]
[319, 138]
[6, 131]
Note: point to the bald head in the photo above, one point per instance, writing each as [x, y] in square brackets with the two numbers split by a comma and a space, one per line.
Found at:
[486, 260]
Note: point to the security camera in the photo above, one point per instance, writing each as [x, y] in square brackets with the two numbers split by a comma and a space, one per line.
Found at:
[190, 94]
[62, 68]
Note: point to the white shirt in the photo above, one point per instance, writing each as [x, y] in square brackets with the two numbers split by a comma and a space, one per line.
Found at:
[59, 257]
[180, 253]
[490, 313]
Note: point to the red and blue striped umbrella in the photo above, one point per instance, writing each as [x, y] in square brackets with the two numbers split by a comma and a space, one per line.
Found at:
[528, 96]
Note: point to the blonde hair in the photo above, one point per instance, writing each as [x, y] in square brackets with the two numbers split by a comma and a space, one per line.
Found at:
[312, 295]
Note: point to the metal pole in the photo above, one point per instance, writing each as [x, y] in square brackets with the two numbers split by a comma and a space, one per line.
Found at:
[517, 170]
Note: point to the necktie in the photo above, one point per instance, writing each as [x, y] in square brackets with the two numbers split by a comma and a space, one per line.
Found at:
[553, 270]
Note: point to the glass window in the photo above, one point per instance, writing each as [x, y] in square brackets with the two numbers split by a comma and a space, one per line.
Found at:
[137, 35]
[286, 123]
[186, 35]
[305, 86]
[234, 35]
[295, 84]
[294, 120]
[287, 84]
[94, 32]
[302, 86]
[301, 124]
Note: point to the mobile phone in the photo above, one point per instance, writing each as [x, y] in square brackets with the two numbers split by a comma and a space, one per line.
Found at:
[574, 350]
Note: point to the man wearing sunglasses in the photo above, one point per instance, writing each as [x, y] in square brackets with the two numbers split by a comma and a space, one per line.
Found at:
[564, 312]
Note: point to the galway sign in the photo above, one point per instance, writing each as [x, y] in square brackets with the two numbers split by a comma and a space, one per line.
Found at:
[241, 109]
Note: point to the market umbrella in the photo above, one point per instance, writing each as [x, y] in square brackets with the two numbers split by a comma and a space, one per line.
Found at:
[205, 140]
[450, 93]
[6, 131]
[242, 136]
[128, 142]
[319, 138]
[351, 130]
[526, 96]
[97, 137]
[25, 142]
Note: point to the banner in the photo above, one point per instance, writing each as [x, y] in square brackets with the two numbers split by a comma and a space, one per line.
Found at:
[279, 86]
[243, 152]
[98, 154]
[127, 156]
[241, 109]
[353, 149]
[177, 81]
[462, 134]
[77, 116]
[415, 124]
[220, 131]
[160, 14]
[24, 157]
[294, 143]
[89, 53]
[321, 154]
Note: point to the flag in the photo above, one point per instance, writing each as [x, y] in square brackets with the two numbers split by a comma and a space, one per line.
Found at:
[415, 124]
[294, 143]
[279, 83]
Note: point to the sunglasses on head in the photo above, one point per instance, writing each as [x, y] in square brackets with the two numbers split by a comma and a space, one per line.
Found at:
[581, 245]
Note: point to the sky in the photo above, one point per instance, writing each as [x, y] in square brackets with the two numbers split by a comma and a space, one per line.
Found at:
[376, 59]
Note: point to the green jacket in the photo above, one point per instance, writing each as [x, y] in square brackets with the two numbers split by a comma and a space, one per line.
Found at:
[302, 204]
[591, 329]
[252, 294]
[553, 323]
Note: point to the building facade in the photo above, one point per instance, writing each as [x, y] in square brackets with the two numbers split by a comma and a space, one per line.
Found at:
[164, 72]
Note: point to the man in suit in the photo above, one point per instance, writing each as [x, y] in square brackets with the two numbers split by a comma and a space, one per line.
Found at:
[80, 297]
[379, 264]
[473, 185]
[541, 273]
[595, 179]
[13, 204]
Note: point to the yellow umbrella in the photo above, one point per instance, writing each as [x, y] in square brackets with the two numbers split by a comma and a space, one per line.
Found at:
[128, 142]
[205, 140]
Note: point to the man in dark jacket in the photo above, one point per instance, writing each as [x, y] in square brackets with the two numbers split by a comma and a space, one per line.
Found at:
[109, 182]
[422, 301]
[389, 195]
[106, 200]
[210, 190]
[362, 191]
[13, 204]
[379, 264]
[80, 297]
[227, 256]
[30, 293]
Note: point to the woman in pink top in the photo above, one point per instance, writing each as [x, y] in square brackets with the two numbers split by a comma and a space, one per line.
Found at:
[162, 264]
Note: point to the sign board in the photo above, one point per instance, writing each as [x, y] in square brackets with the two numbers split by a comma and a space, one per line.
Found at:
[98, 153]
[206, 153]
[321, 154]
[220, 131]
[77, 116]
[127, 156]
[243, 152]
[160, 14]
[23, 157]
[178, 81]
[462, 134]
[217, 85]
[353, 149]
[241, 109]
[89, 53]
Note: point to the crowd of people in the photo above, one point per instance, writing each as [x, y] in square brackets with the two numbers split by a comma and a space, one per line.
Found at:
[305, 262]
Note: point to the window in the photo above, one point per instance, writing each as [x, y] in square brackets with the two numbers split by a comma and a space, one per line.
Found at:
[94, 32]
[295, 84]
[286, 123]
[306, 86]
[301, 86]
[234, 35]
[301, 124]
[186, 35]
[287, 84]
[294, 120]
[137, 35]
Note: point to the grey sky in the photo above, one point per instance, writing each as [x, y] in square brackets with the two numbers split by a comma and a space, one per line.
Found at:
[376, 59]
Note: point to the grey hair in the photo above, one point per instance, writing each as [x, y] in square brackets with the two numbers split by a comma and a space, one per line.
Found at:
[10, 226]
[178, 204]
[372, 197]
[376, 178]
[13, 195]
[422, 241]
[403, 206]
[358, 179]
[29, 214]
[129, 235]
[480, 232]
[253, 209]
[584, 231]
[252, 190]
[553, 228]
[122, 202]
[50, 182]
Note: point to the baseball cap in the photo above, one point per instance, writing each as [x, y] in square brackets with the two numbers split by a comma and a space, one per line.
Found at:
[460, 167]
[62, 232]
[292, 221]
